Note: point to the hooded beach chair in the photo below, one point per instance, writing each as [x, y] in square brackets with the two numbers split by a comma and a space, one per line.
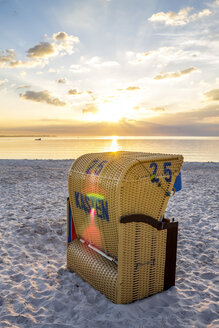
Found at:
[117, 237]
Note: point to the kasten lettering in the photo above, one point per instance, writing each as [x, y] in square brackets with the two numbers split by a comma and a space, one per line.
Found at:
[87, 203]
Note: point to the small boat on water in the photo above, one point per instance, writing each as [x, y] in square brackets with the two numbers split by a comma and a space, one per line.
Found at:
[38, 139]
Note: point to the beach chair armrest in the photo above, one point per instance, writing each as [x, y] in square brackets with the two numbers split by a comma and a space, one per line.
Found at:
[159, 225]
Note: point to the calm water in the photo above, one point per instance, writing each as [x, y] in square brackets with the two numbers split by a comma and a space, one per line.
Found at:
[199, 149]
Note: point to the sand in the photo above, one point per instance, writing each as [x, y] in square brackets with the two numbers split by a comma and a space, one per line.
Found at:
[36, 288]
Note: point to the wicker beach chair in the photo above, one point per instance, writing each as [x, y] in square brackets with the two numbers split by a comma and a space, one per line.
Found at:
[118, 239]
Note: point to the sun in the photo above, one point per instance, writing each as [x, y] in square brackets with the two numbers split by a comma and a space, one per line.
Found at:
[113, 111]
[118, 108]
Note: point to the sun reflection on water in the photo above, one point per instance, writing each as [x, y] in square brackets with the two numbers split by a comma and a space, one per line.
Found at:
[114, 145]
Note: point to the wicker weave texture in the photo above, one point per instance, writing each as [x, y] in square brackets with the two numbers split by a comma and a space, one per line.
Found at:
[104, 187]
[123, 182]
[141, 261]
[140, 270]
[93, 268]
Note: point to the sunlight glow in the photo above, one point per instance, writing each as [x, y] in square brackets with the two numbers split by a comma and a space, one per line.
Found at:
[114, 111]
[114, 146]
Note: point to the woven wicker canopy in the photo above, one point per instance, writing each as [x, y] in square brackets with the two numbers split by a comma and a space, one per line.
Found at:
[105, 187]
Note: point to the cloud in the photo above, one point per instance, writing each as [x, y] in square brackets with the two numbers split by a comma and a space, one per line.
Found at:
[154, 109]
[132, 88]
[62, 81]
[63, 41]
[163, 56]
[139, 57]
[180, 18]
[6, 56]
[158, 109]
[2, 82]
[79, 69]
[22, 73]
[175, 74]
[52, 70]
[107, 101]
[143, 54]
[74, 92]
[212, 94]
[62, 36]
[90, 108]
[61, 44]
[190, 123]
[43, 97]
[7, 59]
[193, 118]
[26, 64]
[24, 87]
[98, 62]
[94, 62]
[59, 36]
[43, 49]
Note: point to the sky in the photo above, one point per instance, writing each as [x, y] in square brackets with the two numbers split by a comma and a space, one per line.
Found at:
[109, 67]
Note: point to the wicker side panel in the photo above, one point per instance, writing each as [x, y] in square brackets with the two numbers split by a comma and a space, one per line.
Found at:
[142, 251]
[93, 268]
[139, 193]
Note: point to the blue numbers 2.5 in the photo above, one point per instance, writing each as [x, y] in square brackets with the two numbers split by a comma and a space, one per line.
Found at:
[98, 165]
[153, 176]
[166, 170]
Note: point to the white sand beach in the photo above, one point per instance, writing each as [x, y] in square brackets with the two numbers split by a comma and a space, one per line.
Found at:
[36, 288]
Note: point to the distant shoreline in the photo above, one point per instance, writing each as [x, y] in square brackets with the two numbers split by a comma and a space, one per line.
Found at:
[31, 136]
[111, 136]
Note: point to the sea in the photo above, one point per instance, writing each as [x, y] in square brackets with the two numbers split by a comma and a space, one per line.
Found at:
[194, 149]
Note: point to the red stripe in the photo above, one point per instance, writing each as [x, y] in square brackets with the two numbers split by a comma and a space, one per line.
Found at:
[73, 233]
